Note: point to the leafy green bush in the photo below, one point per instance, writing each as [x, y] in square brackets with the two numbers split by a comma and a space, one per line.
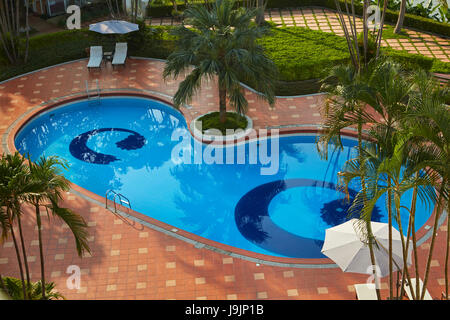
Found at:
[233, 121]
[14, 290]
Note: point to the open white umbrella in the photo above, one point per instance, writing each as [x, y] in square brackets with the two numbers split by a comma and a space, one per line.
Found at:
[344, 245]
[114, 27]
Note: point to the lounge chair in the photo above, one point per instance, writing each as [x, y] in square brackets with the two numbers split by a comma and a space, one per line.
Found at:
[120, 54]
[366, 291]
[95, 57]
[427, 295]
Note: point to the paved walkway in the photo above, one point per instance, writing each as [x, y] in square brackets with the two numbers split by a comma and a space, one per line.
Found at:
[132, 261]
[327, 20]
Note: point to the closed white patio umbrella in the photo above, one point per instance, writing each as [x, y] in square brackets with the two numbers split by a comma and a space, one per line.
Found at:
[345, 246]
[114, 27]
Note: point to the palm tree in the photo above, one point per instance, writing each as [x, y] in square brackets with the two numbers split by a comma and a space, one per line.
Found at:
[41, 185]
[428, 122]
[222, 42]
[47, 172]
[401, 17]
[395, 174]
[376, 96]
[15, 187]
[4, 230]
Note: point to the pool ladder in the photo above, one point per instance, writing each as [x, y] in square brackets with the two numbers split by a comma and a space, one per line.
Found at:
[96, 97]
[122, 200]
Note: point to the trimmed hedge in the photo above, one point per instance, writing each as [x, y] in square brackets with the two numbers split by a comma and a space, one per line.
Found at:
[410, 20]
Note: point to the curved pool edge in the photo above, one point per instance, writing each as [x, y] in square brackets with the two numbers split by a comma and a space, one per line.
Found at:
[199, 242]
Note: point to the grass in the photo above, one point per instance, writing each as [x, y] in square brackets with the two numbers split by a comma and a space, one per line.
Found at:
[233, 121]
[302, 54]
[388, 33]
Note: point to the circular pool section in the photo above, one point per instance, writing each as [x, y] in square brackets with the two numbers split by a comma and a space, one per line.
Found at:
[126, 144]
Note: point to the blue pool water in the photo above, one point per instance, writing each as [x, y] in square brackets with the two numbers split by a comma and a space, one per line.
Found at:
[125, 144]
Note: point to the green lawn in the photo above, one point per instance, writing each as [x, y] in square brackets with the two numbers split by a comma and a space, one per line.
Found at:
[302, 54]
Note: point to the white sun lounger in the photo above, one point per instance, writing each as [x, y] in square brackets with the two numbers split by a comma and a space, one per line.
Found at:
[366, 291]
[427, 295]
[96, 57]
[120, 54]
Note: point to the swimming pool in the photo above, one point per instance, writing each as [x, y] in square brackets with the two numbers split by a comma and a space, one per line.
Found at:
[126, 144]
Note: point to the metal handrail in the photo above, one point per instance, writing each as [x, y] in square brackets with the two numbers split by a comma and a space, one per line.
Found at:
[97, 97]
[122, 199]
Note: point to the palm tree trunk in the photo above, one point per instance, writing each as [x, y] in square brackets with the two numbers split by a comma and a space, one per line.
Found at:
[404, 249]
[27, 270]
[413, 232]
[350, 45]
[41, 251]
[222, 100]
[175, 5]
[4, 32]
[2, 284]
[372, 259]
[27, 43]
[401, 17]
[391, 289]
[368, 223]
[433, 237]
[19, 259]
[261, 5]
[447, 251]
[380, 30]
[365, 30]
[9, 12]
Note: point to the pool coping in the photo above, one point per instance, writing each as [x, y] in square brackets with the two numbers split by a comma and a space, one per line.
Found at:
[423, 234]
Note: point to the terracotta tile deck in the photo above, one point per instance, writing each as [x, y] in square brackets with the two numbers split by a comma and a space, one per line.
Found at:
[132, 261]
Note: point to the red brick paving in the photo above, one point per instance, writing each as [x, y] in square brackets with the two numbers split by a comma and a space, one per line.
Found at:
[131, 261]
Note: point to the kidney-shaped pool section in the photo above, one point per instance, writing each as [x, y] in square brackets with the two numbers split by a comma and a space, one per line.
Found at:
[126, 144]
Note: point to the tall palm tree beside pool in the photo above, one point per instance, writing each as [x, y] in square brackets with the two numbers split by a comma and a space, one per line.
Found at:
[374, 96]
[222, 42]
[343, 108]
[47, 172]
[383, 174]
[15, 187]
[428, 123]
[4, 231]
[40, 184]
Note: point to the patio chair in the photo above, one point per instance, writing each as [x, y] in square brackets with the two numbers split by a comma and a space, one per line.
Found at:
[95, 57]
[407, 287]
[366, 291]
[120, 54]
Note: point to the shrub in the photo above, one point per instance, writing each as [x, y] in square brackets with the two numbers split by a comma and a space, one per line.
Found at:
[14, 290]
[233, 121]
